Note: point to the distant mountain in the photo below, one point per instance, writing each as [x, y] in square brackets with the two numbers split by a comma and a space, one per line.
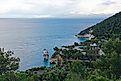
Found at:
[109, 28]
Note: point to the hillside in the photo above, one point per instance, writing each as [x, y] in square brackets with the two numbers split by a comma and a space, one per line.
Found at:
[109, 28]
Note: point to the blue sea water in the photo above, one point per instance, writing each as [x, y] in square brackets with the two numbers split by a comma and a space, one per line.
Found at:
[28, 37]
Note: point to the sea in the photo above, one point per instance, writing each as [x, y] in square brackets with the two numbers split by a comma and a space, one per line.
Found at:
[27, 37]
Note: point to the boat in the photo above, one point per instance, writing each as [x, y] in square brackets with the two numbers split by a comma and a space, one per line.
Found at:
[45, 54]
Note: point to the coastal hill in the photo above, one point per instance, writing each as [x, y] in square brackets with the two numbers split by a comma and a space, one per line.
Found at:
[109, 28]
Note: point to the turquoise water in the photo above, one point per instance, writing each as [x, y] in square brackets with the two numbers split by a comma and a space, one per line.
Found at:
[82, 39]
[28, 37]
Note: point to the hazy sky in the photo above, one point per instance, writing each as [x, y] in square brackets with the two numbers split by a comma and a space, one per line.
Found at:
[58, 8]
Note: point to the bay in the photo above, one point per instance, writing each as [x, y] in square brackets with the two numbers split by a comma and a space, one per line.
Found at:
[28, 37]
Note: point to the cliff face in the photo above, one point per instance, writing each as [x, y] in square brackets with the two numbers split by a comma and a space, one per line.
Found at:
[109, 28]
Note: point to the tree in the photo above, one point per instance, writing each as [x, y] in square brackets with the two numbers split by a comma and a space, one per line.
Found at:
[97, 78]
[8, 63]
[73, 77]
[118, 79]
[76, 44]
[9, 77]
[110, 64]
[112, 45]
[78, 68]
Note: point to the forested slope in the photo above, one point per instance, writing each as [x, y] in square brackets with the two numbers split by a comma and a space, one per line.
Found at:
[110, 27]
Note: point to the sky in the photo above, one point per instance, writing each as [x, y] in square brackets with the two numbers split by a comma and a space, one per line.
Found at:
[58, 8]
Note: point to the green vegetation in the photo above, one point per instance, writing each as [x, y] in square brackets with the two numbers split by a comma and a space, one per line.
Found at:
[79, 62]
[7, 62]
[109, 28]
